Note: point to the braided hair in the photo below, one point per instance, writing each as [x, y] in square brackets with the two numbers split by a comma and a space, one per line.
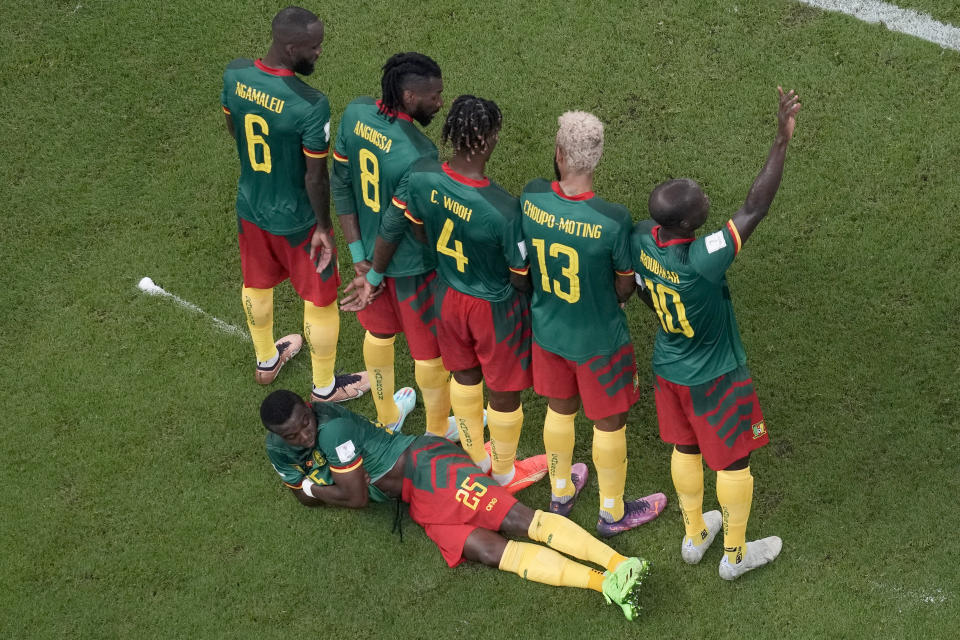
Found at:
[397, 71]
[471, 123]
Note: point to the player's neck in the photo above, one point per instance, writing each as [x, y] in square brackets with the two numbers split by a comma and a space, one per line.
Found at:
[468, 166]
[274, 59]
[573, 184]
[665, 234]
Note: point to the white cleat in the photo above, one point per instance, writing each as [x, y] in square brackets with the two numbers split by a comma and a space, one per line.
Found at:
[693, 553]
[758, 553]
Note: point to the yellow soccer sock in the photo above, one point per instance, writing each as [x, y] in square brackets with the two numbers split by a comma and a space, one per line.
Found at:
[467, 402]
[539, 564]
[567, 536]
[559, 436]
[258, 307]
[321, 328]
[687, 472]
[735, 493]
[434, 383]
[505, 429]
[378, 358]
[610, 459]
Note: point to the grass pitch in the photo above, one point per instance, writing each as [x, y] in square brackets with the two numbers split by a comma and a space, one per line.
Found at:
[137, 498]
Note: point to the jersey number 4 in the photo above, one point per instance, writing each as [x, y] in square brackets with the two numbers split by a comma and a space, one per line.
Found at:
[660, 294]
[257, 141]
[571, 272]
[443, 246]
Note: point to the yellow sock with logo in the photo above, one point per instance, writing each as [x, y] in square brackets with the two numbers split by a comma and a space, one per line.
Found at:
[321, 328]
[434, 382]
[546, 566]
[467, 402]
[378, 358]
[258, 307]
[559, 435]
[505, 429]
[735, 494]
[687, 472]
[568, 537]
[610, 459]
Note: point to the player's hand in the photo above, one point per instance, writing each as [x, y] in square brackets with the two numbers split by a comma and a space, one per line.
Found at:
[787, 114]
[321, 249]
[359, 293]
[361, 268]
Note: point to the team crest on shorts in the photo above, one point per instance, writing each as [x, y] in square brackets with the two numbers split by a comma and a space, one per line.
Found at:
[759, 430]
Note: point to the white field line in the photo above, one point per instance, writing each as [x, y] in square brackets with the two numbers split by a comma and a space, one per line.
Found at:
[147, 286]
[894, 18]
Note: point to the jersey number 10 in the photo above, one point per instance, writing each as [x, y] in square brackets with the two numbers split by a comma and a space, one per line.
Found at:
[659, 293]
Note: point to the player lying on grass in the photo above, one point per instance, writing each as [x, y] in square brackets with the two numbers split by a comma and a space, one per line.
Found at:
[328, 455]
[703, 389]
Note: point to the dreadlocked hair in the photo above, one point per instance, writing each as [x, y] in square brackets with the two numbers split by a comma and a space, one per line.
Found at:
[471, 123]
[397, 71]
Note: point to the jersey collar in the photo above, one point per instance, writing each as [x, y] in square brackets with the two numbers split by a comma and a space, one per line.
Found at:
[274, 72]
[392, 113]
[586, 195]
[656, 238]
[470, 182]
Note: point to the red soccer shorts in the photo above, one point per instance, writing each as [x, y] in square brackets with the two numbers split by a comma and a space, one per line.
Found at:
[607, 385]
[449, 496]
[722, 417]
[492, 335]
[266, 260]
[407, 307]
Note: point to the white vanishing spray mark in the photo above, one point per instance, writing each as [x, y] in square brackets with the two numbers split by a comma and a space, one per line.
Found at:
[894, 18]
[935, 596]
[149, 287]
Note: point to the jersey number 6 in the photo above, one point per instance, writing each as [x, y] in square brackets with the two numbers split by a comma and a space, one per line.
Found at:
[255, 140]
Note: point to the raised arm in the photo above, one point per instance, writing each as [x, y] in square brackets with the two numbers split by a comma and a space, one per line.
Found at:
[766, 184]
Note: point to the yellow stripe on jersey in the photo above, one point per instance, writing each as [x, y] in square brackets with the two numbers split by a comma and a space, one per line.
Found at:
[736, 236]
[625, 273]
[314, 154]
[340, 158]
[521, 272]
[225, 110]
[399, 204]
[294, 486]
[409, 216]
[353, 466]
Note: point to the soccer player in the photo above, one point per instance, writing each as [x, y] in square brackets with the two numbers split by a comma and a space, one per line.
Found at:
[581, 270]
[706, 404]
[282, 129]
[328, 455]
[484, 324]
[376, 143]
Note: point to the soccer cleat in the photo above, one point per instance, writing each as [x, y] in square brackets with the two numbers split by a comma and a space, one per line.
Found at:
[526, 472]
[406, 400]
[287, 347]
[622, 585]
[635, 513]
[759, 553]
[345, 387]
[693, 553]
[578, 474]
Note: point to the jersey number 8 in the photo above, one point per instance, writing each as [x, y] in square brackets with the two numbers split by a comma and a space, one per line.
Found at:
[370, 179]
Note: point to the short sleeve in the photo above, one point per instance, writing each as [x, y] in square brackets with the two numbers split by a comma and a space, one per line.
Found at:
[713, 254]
[514, 246]
[340, 152]
[223, 95]
[340, 442]
[316, 130]
[622, 260]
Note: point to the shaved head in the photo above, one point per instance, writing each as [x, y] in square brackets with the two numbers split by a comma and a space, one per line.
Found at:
[290, 25]
[678, 203]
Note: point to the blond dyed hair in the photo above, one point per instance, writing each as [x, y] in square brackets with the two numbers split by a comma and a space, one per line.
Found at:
[580, 136]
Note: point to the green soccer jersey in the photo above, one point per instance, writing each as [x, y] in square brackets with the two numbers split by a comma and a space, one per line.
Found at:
[372, 159]
[577, 246]
[474, 225]
[345, 440]
[698, 339]
[278, 120]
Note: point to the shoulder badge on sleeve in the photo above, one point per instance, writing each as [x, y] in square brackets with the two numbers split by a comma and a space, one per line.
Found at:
[715, 241]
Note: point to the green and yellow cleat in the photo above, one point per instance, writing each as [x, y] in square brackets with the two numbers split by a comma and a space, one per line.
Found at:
[622, 586]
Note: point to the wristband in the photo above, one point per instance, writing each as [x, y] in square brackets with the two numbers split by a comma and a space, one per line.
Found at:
[374, 278]
[356, 251]
[306, 486]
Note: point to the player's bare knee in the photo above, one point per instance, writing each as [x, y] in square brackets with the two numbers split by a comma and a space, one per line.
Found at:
[612, 423]
[468, 376]
[518, 520]
[504, 401]
[565, 406]
[742, 463]
[484, 546]
[689, 449]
